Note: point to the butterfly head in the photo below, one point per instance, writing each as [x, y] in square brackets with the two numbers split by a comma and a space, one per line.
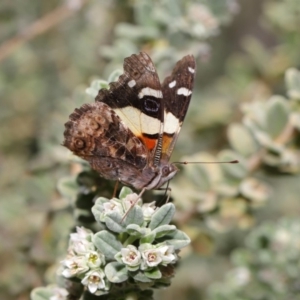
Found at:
[164, 172]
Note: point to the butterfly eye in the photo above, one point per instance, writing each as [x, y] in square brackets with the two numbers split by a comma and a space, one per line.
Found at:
[165, 171]
[79, 143]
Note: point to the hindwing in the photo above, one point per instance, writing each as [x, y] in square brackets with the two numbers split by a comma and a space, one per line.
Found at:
[95, 133]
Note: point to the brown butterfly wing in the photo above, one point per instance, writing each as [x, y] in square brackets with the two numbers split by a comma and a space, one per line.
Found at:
[95, 133]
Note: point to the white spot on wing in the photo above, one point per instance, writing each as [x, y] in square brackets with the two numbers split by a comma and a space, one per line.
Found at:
[131, 83]
[150, 92]
[184, 91]
[171, 123]
[191, 70]
[172, 84]
[138, 122]
[150, 125]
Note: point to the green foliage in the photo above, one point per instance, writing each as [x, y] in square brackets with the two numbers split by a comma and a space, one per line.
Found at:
[240, 85]
[266, 138]
[267, 268]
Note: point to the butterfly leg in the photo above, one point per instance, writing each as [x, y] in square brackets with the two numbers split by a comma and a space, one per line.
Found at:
[166, 189]
[133, 203]
[115, 189]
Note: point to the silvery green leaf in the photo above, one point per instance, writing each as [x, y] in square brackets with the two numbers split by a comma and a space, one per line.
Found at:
[290, 161]
[162, 216]
[116, 272]
[153, 273]
[98, 210]
[140, 276]
[237, 171]
[266, 141]
[145, 246]
[134, 32]
[41, 293]
[132, 269]
[241, 139]
[91, 92]
[124, 192]
[144, 13]
[135, 216]
[114, 76]
[296, 120]
[101, 200]
[199, 175]
[241, 257]
[272, 159]
[95, 86]
[107, 243]
[255, 190]
[113, 221]
[292, 79]
[136, 230]
[228, 188]
[178, 239]
[277, 116]
[118, 258]
[68, 187]
[162, 283]
[149, 238]
[163, 230]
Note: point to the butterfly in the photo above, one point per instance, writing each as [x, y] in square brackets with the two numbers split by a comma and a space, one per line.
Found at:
[129, 133]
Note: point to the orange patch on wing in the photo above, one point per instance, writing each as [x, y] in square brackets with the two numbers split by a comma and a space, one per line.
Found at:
[167, 140]
[150, 143]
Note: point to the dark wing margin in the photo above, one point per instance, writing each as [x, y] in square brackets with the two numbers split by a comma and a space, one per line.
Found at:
[137, 98]
[177, 91]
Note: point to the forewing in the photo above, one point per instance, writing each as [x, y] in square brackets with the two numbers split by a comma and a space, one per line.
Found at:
[177, 91]
[137, 99]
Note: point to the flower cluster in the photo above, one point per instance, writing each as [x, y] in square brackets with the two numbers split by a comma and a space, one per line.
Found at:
[85, 261]
[138, 246]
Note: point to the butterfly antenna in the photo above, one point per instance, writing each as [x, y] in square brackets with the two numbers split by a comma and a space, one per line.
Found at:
[206, 162]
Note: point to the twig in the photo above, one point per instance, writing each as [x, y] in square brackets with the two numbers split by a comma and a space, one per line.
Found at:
[38, 27]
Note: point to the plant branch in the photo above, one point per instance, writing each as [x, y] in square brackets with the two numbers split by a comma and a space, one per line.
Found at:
[38, 27]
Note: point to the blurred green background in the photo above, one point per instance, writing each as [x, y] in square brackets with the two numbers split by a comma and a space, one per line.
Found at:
[50, 51]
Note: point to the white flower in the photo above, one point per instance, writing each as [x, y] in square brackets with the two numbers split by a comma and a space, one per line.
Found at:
[80, 242]
[95, 259]
[155, 255]
[59, 294]
[81, 246]
[74, 265]
[94, 280]
[130, 200]
[148, 210]
[151, 257]
[168, 255]
[131, 257]
[112, 205]
[81, 234]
